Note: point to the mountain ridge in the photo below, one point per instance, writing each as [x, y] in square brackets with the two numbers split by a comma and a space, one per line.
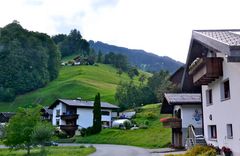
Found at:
[146, 61]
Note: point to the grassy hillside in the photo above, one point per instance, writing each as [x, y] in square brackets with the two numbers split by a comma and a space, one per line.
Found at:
[154, 137]
[72, 82]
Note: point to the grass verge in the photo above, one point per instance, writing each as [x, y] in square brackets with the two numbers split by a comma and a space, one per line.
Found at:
[51, 151]
[155, 136]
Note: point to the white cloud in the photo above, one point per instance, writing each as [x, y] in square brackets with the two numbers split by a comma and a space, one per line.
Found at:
[162, 27]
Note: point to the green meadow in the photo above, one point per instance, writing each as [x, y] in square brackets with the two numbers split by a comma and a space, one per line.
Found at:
[74, 81]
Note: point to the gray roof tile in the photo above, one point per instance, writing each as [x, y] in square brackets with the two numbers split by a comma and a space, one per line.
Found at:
[228, 37]
[82, 103]
[183, 97]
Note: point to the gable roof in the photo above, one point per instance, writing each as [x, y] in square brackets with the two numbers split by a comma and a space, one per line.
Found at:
[81, 103]
[183, 98]
[5, 116]
[47, 110]
[171, 99]
[176, 77]
[223, 41]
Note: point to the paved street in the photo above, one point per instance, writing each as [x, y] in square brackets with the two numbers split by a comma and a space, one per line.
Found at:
[121, 150]
[115, 150]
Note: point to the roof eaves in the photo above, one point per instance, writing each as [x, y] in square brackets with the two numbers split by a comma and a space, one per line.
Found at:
[211, 42]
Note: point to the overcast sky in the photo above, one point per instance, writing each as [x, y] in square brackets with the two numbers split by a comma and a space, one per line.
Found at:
[162, 27]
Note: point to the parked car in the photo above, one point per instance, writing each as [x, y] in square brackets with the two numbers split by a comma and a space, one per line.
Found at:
[51, 143]
[119, 122]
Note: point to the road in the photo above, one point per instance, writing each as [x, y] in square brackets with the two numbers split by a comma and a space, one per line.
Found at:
[121, 150]
[115, 150]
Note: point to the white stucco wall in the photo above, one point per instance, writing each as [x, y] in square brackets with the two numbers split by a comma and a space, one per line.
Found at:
[190, 114]
[85, 117]
[224, 112]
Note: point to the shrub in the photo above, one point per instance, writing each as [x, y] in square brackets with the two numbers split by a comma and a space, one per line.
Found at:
[82, 146]
[61, 134]
[201, 150]
[146, 122]
[127, 124]
[211, 152]
[83, 132]
[150, 115]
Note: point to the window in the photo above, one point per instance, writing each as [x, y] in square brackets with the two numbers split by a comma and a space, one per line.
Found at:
[212, 131]
[58, 112]
[57, 122]
[105, 113]
[229, 131]
[209, 96]
[225, 90]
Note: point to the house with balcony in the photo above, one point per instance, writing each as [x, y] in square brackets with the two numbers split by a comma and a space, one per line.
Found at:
[71, 115]
[213, 64]
[186, 110]
[185, 107]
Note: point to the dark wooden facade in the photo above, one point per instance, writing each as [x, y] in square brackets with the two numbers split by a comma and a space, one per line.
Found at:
[206, 70]
[69, 129]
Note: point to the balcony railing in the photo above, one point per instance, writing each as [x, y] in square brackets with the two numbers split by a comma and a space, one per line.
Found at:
[69, 116]
[206, 70]
[69, 127]
[171, 122]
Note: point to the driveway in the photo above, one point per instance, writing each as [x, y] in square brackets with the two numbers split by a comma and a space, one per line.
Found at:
[115, 150]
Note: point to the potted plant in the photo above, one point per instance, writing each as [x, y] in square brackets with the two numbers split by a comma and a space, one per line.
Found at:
[227, 151]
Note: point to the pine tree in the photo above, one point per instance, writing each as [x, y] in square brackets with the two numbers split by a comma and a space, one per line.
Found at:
[97, 121]
[99, 57]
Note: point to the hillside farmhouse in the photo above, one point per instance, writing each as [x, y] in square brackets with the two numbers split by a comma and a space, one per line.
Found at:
[71, 115]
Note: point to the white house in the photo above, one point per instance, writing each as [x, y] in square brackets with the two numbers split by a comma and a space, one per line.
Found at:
[186, 110]
[214, 64]
[71, 115]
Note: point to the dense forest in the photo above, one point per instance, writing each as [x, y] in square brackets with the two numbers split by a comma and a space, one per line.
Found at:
[28, 60]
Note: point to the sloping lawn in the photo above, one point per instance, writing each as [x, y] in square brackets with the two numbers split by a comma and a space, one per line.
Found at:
[51, 151]
[74, 81]
[154, 137]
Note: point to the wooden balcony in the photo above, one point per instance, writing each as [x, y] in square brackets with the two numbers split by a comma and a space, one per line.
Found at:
[206, 70]
[69, 127]
[69, 117]
[171, 122]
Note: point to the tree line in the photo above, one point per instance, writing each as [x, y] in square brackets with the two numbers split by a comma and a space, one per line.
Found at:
[130, 95]
[28, 60]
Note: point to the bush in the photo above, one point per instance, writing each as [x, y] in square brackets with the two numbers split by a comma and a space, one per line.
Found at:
[61, 134]
[211, 152]
[146, 122]
[127, 124]
[82, 146]
[201, 150]
[150, 115]
[86, 131]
